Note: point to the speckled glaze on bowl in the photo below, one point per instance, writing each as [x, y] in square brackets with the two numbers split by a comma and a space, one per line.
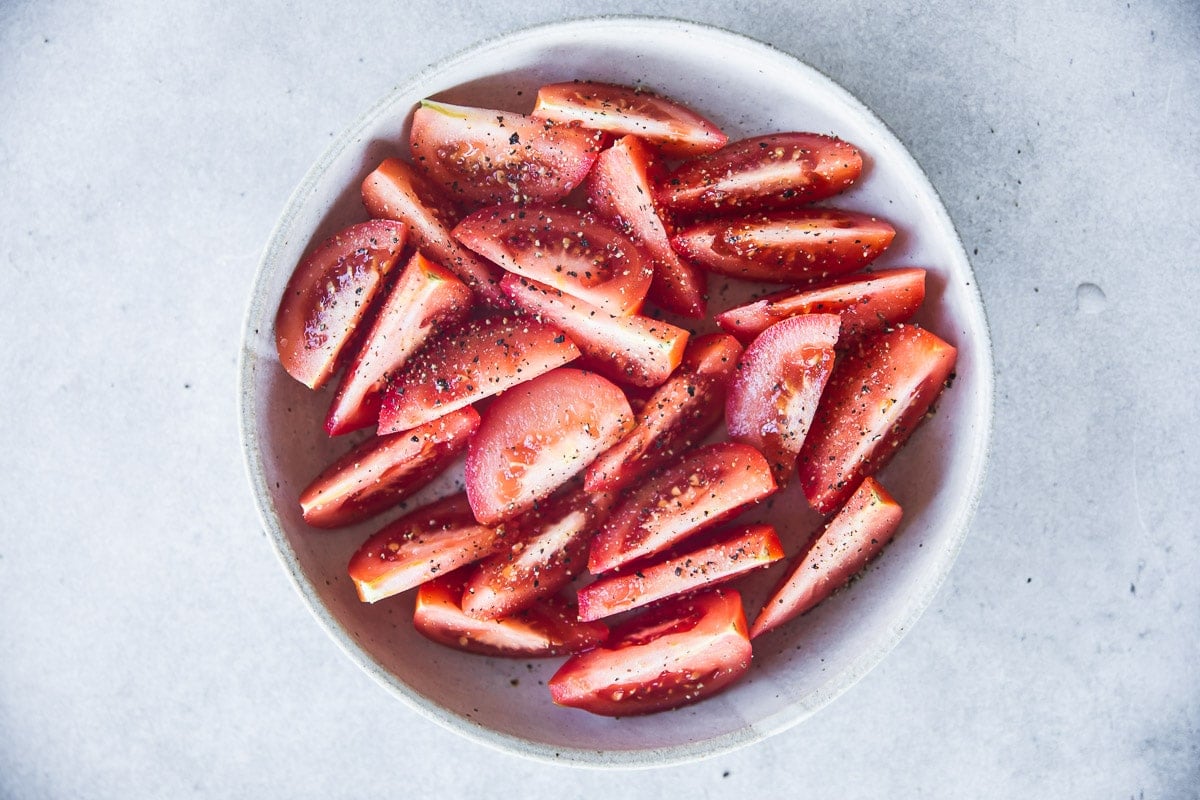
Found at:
[746, 88]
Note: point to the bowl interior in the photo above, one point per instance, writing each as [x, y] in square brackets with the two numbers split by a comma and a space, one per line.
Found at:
[746, 88]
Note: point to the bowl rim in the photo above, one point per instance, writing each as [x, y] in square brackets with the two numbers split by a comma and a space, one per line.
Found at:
[918, 601]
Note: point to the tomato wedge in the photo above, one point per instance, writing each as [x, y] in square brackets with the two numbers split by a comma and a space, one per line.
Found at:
[634, 349]
[484, 156]
[539, 435]
[785, 246]
[727, 556]
[869, 303]
[707, 486]
[875, 398]
[395, 190]
[622, 110]
[424, 298]
[670, 656]
[327, 295]
[474, 360]
[620, 188]
[778, 382]
[384, 470]
[566, 248]
[433, 540]
[677, 416]
[835, 554]
[782, 170]
[549, 628]
[549, 549]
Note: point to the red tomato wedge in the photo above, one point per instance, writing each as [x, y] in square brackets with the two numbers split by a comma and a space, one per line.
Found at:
[473, 360]
[549, 628]
[431, 541]
[677, 416]
[549, 548]
[786, 246]
[725, 557]
[875, 398]
[635, 349]
[673, 655]
[384, 470]
[479, 155]
[867, 303]
[328, 295]
[707, 486]
[424, 298]
[837, 553]
[395, 190]
[623, 110]
[539, 435]
[566, 248]
[782, 170]
[620, 188]
[778, 382]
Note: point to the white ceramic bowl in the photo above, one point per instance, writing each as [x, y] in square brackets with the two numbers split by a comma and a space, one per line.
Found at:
[746, 88]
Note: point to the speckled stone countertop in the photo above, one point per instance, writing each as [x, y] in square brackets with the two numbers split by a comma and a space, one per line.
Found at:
[150, 645]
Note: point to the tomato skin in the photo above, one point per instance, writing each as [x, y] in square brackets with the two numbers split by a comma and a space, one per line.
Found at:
[549, 549]
[673, 655]
[875, 398]
[786, 246]
[620, 188]
[549, 628]
[777, 385]
[471, 361]
[384, 470]
[834, 555]
[424, 298]
[624, 110]
[566, 248]
[707, 486]
[867, 303]
[483, 156]
[539, 435]
[636, 350]
[781, 170]
[397, 191]
[680, 414]
[725, 556]
[433, 540]
[328, 294]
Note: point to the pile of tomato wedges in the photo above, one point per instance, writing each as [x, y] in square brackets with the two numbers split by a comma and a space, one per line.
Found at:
[503, 302]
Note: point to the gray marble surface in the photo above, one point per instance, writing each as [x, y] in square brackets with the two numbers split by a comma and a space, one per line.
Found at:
[150, 645]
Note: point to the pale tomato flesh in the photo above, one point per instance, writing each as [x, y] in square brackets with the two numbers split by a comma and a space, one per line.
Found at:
[539, 435]
[777, 385]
